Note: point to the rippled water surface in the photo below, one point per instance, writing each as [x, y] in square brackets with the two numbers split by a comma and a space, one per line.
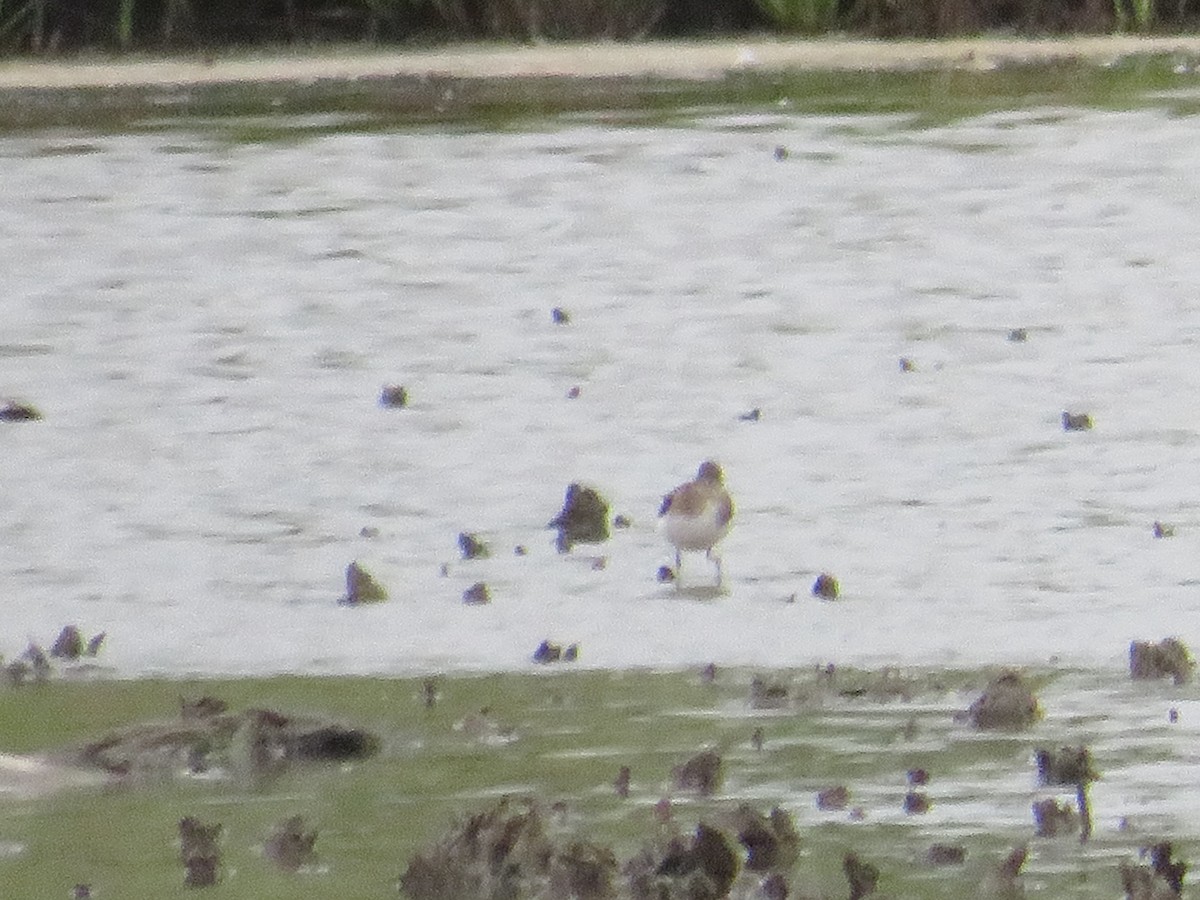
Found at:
[206, 322]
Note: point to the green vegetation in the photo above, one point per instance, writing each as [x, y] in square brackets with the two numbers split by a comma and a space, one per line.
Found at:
[563, 736]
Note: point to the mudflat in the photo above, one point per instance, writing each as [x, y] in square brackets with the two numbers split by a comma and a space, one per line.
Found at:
[671, 59]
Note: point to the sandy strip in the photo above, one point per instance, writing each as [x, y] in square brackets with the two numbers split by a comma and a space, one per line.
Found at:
[674, 59]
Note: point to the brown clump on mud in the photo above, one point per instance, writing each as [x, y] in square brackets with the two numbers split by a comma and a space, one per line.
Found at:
[1006, 703]
[703, 869]
[771, 840]
[1161, 880]
[1169, 657]
[1052, 818]
[290, 844]
[255, 742]
[702, 773]
[361, 587]
[199, 851]
[505, 851]
[583, 518]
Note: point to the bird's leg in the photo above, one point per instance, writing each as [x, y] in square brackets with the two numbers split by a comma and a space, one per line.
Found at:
[716, 561]
[678, 568]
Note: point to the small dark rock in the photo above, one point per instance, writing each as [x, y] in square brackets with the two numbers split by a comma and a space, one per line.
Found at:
[833, 799]
[560, 316]
[393, 396]
[571, 653]
[1076, 421]
[547, 652]
[664, 575]
[1169, 656]
[1018, 335]
[826, 587]
[471, 547]
[290, 845]
[620, 520]
[752, 416]
[573, 393]
[520, 550]
[12, 411]
[582, 520]
[702, 773]
[477, 594]
[361, 587]
[1006, 703]
[946, 855]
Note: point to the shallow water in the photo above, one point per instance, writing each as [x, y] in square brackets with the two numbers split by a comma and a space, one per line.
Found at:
[206, 323]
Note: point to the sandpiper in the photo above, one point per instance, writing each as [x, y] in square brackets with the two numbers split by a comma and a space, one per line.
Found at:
[696, 515]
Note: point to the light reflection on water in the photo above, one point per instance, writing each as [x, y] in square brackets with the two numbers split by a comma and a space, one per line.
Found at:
[206, 326]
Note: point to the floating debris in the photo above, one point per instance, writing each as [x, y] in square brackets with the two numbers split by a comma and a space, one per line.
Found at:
[290, 844]
[1163, 530]
[361, 587]
[1076, 421]
[664, 575]
[752, 416]
[471, 547]
[560, 316]
[702, 773]
[573, 393]
[582, 520]
[1006, 703]
[14, 411]
[907, 365]
[1018, 335]
[620, 520]
[477, 594]
[826, 587]
[393, 396]
[781, 153]
[199, 851]
[1169, 656]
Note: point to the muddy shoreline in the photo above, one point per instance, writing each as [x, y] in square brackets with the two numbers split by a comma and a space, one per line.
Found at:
[662, 59]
